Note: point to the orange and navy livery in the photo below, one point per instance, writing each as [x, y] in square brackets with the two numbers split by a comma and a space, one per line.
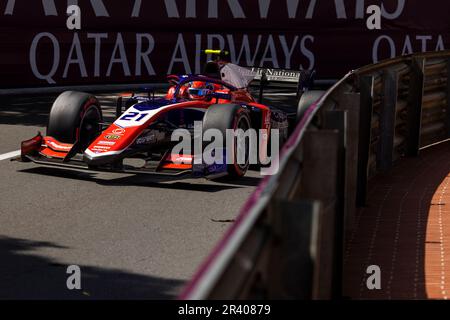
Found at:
[143, 131]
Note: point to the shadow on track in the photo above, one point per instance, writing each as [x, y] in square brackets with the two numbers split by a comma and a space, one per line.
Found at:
[34, 110]
[26, 275]
[25, 111]
[145, 181]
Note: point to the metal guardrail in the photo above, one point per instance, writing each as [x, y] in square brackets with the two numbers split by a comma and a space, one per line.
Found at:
[287, 242]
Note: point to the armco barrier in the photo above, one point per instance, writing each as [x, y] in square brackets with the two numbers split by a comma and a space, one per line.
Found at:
[287, 242]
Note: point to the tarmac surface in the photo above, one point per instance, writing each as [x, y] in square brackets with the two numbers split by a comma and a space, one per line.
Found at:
[133, 237]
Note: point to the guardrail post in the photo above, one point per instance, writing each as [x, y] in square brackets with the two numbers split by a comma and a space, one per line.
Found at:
[246, 274]
[448, 97]
[387, 120]
[292, 260]
[415, 97]
[320, 182]
[337, 120]
[365, 132]
[350, 102]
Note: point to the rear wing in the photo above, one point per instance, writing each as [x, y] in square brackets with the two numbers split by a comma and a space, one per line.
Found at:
[299, 80]
[281, 75]
[306, 78]
[242, 77]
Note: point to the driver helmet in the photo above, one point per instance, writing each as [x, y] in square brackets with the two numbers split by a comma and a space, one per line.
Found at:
[199, 90]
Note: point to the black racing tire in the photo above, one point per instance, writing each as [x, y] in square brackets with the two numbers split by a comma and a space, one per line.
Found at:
[306, 100]
[75, 118]
[229, 116]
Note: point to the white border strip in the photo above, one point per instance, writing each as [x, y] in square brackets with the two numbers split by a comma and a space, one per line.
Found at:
[9, 155]
[434, 144]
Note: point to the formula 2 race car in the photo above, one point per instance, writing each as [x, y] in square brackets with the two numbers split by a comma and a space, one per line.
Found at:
[139, 140]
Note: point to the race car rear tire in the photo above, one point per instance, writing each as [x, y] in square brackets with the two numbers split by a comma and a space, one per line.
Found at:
[229, 116]
[75, 117]
[306, 100]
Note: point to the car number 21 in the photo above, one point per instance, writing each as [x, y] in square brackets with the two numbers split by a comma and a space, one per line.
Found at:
[133, 116]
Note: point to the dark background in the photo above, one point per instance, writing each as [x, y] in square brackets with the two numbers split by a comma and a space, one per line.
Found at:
[328, 41]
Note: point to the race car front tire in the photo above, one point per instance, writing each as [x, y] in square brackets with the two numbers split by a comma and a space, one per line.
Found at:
[229, 116]
[75, 118]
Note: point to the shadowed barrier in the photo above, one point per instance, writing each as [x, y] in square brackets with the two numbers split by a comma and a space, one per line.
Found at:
[288, 240]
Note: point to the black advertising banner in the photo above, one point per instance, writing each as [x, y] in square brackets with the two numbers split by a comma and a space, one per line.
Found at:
[132, 41]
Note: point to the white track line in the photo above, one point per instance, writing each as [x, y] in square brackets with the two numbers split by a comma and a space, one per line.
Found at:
[9, 155]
